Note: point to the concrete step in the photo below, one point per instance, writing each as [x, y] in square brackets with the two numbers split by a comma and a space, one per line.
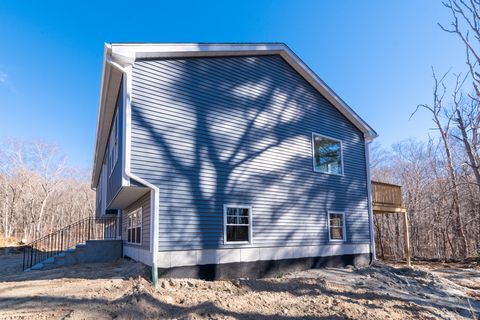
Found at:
[49, 260]
[91, 251]
[38, 266]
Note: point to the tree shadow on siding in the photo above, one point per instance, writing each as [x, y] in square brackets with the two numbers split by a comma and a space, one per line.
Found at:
[238, 131]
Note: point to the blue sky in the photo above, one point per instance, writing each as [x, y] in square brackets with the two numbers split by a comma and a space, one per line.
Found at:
[377, 55]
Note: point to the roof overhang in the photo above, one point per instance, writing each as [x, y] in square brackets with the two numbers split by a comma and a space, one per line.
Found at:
[110, 84]
[118, 55]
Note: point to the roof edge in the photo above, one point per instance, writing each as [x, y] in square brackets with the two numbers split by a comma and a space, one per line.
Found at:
[106, 50]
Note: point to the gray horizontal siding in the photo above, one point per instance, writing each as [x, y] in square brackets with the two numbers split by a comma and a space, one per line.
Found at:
[98, 200]
[143, 202]
[114, 180]
[214, 131]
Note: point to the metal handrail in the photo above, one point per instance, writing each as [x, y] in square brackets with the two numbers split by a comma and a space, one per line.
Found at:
[91, 228]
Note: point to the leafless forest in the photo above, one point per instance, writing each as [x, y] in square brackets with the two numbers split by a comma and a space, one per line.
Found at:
[441, 177]
[39, 192]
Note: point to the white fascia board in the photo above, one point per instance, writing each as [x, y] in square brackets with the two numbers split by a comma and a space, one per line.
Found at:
[97, 163]
[130, 52]
[110, 82]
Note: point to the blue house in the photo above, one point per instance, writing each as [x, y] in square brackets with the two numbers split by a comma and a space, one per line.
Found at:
[229, 160]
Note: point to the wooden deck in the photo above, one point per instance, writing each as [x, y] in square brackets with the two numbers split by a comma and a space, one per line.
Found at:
[387, 198]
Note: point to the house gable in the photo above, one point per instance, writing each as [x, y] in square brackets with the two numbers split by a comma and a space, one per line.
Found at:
[120, 55]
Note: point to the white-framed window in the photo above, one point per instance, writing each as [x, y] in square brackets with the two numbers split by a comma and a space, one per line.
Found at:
[134, 226]
[336, 226]
[237, 223]
[113, 144]
[327, 154]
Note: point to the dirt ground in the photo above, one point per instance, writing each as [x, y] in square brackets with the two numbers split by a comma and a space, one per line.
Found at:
[120, 290]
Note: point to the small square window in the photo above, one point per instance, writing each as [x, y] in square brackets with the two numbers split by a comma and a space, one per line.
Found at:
[327, 155]
[336, 226]
[238, 223]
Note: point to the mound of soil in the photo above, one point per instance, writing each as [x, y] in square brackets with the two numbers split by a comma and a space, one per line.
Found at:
[121, 290]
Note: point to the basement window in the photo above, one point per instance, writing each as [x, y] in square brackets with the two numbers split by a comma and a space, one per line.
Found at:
[336, 226]
[327, 154]
[238, 224]
[134, 227]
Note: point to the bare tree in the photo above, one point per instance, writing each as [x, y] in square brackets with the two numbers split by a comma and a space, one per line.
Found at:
[421, 168]
[466, 26]
[443, 125]
[39, 192]
[50, 166]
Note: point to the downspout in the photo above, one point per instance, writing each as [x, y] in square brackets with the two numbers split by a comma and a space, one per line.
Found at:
[369, 195]
[155, 200]
[154, 191]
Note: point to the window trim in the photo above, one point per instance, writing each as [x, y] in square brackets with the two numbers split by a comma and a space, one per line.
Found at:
[250, 224]
[313, 153]
[344, 226]
[140, 209]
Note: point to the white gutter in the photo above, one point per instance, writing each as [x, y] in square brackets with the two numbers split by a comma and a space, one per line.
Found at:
[370, 208]
[154, 191]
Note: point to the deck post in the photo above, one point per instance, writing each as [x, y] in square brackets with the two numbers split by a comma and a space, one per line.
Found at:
[406, 236]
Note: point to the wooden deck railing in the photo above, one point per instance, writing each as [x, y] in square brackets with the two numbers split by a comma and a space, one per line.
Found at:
[387, 198]
[386, 195]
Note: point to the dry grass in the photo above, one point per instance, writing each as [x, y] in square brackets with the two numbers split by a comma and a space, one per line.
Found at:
[8, 242]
